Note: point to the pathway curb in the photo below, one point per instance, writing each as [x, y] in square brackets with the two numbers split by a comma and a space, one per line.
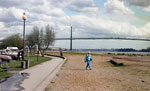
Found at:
[41, 82]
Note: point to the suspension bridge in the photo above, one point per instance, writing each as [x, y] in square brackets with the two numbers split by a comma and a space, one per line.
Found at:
[105, 38]
[96, 38]
[100, 38]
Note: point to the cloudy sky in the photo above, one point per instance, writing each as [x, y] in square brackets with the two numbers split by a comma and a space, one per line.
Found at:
[89, 18]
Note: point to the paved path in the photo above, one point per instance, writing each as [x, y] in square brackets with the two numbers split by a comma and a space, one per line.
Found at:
[41, 75]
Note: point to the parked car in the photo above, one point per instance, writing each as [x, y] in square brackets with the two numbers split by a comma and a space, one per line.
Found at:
[13, 57]
[12, 50]
[5, 58]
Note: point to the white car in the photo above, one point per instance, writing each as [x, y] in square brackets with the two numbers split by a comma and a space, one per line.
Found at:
[12, 50]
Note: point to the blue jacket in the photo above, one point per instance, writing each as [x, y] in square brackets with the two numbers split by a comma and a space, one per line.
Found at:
[88, 58]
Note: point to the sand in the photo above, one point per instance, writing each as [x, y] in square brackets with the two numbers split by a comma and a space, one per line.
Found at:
[135, 76]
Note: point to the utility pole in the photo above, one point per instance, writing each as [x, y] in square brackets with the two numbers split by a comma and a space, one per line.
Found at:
[71, 39]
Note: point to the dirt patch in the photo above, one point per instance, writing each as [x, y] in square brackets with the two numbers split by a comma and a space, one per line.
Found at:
[134, 58]
[135, 76]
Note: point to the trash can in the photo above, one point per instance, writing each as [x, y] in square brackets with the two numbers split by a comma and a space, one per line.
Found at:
[26, 64]
[23, 64]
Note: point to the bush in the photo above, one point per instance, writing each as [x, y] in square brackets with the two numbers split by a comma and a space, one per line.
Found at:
[115, 63]
[12, 41]
[120, 64]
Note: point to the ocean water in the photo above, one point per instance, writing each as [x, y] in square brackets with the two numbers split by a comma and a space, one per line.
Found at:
[102, 44]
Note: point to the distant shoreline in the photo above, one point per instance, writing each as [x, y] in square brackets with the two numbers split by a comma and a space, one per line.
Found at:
[107, 52]
[118, 50]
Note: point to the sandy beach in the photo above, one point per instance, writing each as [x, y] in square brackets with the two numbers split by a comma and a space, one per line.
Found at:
[134, 76]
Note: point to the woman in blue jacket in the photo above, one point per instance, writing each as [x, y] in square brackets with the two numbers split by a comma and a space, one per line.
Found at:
[87, 59]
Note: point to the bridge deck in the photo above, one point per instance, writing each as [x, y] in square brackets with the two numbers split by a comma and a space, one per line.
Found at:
[102, 39]
[99, 39]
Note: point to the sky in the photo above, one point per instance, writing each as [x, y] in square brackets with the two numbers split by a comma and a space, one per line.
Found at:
[89, 18]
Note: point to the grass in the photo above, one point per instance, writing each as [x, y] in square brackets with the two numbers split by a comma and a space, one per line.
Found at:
[16, 65]
[33, 60]
[4, 74]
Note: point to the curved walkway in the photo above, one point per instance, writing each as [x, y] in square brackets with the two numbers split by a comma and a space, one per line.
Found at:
[33, 79]
[40, 75]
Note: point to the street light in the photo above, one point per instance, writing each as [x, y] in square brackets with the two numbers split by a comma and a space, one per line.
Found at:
[24, 17]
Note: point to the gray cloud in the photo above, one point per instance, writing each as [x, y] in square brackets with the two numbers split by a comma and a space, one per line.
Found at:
[76, 5]
[141, 3]
[20, 3]
[98, 26]
[10, 14]
[43, 12]
[87, 6]
[117, 7]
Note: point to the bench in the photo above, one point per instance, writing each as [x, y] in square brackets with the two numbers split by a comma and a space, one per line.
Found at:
[4, 65]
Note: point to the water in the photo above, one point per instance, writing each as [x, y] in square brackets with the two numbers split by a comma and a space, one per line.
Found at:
[102, 44]
[12, 83]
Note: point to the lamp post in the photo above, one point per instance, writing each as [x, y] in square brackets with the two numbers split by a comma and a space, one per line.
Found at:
[24, 17]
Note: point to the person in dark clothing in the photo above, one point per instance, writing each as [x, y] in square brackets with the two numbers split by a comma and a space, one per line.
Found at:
[61, 53]
[18, 55]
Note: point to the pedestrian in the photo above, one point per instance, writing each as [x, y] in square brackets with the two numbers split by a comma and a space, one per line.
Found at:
[18, 55]
[22, 55]
[0, 62]
[87, 59]
[61, 53]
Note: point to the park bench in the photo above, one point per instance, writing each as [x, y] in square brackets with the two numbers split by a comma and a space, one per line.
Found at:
[4, 65]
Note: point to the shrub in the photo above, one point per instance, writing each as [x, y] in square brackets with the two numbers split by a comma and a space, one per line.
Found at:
[115, 63]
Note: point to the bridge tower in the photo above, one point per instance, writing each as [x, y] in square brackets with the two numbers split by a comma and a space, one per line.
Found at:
[71, 39]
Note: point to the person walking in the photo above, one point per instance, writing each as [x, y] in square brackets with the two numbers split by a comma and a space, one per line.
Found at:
[61, 53]
[87, 59]
[18, 55]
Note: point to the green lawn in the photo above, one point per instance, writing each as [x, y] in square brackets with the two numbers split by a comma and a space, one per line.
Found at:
[16, 65]
[33, 60]
[4, 74]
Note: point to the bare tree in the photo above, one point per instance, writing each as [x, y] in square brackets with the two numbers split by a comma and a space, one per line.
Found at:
[43, 40]
[49, 37]
[36, 34]
[32, 39]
